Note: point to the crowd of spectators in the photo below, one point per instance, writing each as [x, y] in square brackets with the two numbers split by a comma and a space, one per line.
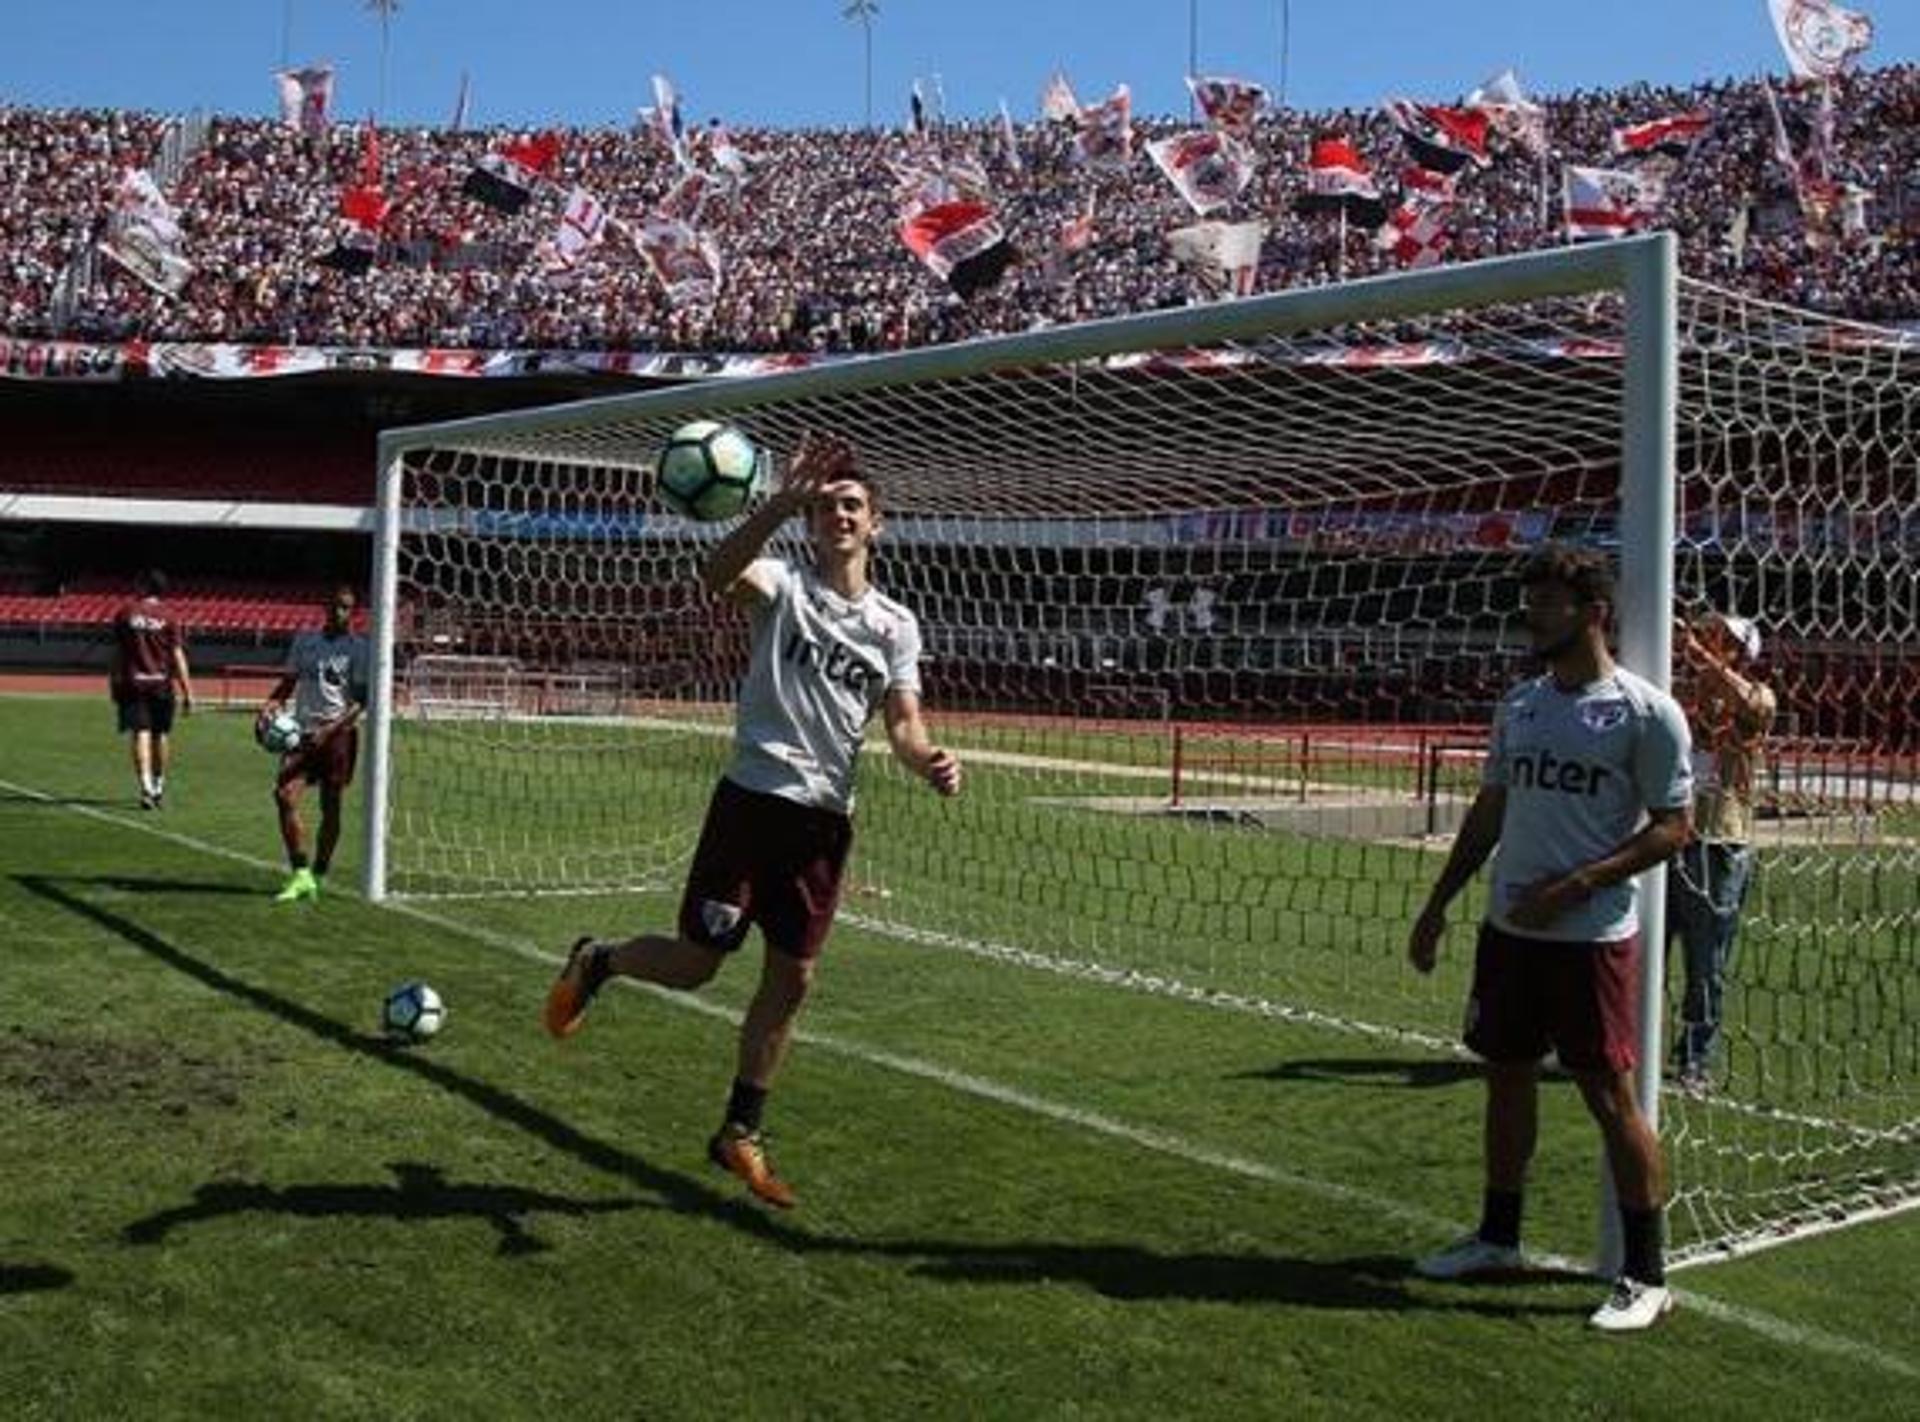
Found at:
[813, 258]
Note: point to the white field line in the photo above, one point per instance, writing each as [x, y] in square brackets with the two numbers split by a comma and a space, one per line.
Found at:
[1778, 1330]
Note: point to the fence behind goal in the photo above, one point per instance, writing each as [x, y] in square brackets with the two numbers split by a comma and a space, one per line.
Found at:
[1217, 604]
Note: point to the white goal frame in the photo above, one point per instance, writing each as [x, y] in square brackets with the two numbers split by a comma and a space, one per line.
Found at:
[1643, 270]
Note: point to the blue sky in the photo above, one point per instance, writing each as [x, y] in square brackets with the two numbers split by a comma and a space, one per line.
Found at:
[792, 62]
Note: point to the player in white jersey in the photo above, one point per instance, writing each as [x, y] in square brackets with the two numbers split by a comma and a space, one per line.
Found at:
[326, 674]
[1586, 784]
[829, 650]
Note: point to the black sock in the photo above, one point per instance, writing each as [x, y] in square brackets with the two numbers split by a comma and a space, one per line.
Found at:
[745, 1104]
[297, 859]
[319, 870]
[1640, 1232]
[1500, 1217]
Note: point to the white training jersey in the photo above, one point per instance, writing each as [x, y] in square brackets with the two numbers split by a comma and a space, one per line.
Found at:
[1581, 769]
[330, 674]
[821, 665]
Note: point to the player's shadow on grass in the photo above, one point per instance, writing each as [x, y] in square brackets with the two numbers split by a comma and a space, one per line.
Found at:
[420, 1192]
[1133, 1273]
[675, 1191]
[1368, 1071]
[51, 802]
[32, 1278]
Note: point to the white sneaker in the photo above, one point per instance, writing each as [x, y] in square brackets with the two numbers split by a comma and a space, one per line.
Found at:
[1470, 1255]
[1632, 1306]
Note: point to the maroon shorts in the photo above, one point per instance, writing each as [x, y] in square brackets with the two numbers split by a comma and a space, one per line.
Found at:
[1579, 1000]
[766, 860]
[328, 762]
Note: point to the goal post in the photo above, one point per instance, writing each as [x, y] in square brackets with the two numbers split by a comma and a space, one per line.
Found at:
[1282, 534]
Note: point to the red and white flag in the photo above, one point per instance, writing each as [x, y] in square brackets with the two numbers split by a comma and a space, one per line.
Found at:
[1207, 168]
[1673, 135]
[1609, 202]
[1416, 231]
[684, 260]
[306, 97]
[1338, 181]
[1511, 113]
[962, 243]
[1442, 139]
[1225, 255]
[583, 223]
[1057, 101]
[1231, 105]
[1820, 38]
[143, 234]
[1105, 138]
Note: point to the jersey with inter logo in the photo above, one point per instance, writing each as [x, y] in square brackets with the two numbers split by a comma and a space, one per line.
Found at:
[1581, 768]
[821, 665]
[148, 636]
[330, 675]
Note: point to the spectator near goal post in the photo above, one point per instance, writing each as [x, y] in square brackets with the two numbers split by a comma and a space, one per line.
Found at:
[828, 651]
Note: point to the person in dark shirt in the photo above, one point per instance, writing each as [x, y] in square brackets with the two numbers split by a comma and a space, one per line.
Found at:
[149, 662]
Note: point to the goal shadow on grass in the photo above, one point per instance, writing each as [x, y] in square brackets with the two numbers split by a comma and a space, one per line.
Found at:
[1119, 1271]
[419, 1192]
[1368, 1071]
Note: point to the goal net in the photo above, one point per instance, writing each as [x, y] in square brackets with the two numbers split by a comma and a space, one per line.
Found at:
[1217, 604]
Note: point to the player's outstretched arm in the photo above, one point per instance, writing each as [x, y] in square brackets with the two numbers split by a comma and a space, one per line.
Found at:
[818, 461]
[914, 748]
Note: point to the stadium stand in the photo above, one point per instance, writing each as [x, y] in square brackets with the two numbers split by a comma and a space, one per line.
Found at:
[812, 256]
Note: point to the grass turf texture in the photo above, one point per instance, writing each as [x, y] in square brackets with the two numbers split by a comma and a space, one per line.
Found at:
[223, 1193]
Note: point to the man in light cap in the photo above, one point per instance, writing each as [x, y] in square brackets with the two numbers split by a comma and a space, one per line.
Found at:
[1729, 711]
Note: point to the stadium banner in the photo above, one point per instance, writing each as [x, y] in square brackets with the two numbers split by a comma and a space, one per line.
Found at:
[62, 360]
[1207, 168]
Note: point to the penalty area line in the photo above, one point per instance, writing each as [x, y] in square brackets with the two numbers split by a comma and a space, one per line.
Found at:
[1768, 1326]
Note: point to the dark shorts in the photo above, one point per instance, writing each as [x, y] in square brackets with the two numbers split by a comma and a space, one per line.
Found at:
[330, 763]
[766, 860]
[1579, 1000]
[146, 711]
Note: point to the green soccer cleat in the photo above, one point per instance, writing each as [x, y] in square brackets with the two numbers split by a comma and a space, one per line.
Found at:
[301, 884]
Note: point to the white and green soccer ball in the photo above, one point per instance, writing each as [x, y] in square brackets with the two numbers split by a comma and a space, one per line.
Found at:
[413, 1012]
[708, 471]
[279, 734]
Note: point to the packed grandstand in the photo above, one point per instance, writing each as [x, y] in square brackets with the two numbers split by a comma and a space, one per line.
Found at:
[809, 242]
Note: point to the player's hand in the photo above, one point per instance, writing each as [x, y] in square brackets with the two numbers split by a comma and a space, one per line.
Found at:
[1546, 901]
[820, 460]
[1423, 944]
[943, 772]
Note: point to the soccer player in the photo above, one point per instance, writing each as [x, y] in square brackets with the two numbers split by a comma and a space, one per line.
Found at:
[1586, 784]
[828, 651]
[326, 674]
[149, 662]
[1729, 710]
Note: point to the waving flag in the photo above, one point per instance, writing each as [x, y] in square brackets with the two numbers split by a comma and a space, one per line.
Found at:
[505, 180]
[1009, 140]
[1608, 202]
[962, 243]
[1231, 105]
[667, 121]
[1416, 232]
[1820, 38]
[1511, 113]
[583, 223]
[306, 95]
[684, 260]
[364, 204]
[1674, 135]
[1226, 255]
[143, 234]
[1441, 139]
[1057, 101]
[1208, 169]
[1105, 139]
[1338, 181]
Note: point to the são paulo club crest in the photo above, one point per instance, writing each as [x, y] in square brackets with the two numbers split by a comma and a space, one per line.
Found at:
[1821, 37]
[1602, 716]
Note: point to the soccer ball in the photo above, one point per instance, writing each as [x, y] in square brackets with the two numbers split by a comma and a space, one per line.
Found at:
[279, 735]
[708, 471]
[413, 1011]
